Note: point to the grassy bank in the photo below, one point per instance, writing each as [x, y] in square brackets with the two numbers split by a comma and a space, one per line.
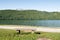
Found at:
[12, 35]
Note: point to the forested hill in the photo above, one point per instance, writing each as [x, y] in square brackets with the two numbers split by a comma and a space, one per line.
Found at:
[28, 15]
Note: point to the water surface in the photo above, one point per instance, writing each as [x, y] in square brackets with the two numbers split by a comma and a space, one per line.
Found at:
[47, 23]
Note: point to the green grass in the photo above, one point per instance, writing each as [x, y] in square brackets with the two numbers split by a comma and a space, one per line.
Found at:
[12, 35]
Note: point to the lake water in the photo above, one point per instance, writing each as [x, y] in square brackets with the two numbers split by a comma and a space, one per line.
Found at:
[47, 23]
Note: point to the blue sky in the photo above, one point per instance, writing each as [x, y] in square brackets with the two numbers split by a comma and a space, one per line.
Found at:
[43, 5]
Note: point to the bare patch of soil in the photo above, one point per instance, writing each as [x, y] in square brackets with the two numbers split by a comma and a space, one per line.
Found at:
[43, 39]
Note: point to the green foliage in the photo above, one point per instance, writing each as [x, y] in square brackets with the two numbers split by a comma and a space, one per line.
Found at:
[53, 36]
[28, 15]
[6, 34]
[12, 35]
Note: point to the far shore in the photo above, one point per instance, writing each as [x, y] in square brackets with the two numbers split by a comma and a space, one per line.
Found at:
[39, 28]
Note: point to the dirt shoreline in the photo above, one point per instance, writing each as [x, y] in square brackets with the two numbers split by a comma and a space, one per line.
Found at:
[42, 29]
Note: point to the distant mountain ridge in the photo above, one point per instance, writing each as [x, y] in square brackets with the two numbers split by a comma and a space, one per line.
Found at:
[28, 15]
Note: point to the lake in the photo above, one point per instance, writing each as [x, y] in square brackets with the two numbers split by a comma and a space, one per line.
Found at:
[47, 23]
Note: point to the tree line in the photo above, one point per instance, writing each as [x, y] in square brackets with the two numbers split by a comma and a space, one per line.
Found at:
[28, 15]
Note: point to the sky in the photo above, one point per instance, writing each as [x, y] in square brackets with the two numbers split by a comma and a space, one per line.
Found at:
[42, 5]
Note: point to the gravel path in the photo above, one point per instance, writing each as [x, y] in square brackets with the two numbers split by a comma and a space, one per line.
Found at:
[43, 29]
